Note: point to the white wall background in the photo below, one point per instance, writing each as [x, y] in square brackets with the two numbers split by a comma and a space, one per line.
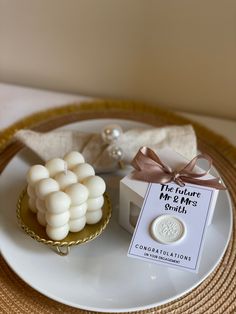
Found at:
[177, 53]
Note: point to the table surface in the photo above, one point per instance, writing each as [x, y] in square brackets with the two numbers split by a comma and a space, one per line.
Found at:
[16, 102]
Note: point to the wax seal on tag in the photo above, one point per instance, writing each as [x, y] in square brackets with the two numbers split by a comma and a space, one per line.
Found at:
[167, 229]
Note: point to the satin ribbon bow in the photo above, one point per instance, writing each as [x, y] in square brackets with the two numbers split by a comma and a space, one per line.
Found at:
[148, 167]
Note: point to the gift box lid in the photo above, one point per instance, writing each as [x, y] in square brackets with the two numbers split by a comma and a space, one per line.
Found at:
[173, 160]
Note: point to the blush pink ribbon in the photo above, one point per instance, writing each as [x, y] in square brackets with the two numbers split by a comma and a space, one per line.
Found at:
[149, 167]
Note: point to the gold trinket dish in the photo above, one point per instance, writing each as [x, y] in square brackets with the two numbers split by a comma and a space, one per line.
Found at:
[28, 222]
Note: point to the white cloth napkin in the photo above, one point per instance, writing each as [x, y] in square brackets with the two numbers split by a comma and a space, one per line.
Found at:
[57, 143]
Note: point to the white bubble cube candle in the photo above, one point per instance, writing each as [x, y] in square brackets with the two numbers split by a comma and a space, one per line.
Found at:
[65, 195]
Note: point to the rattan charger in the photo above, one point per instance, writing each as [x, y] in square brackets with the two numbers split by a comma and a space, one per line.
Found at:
[217, 294]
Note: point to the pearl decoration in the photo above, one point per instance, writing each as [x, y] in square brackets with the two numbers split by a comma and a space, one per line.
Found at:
[111, 133]
[73, 158]
[36, 173]
[116, 152]
[45, 187]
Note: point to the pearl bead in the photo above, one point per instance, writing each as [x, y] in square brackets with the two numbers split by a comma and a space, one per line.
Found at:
[78, 211]
[55, 166]
[77, 225]
[57, 234]
[57, 202]
[83, 171]
[95, 185]
[37, 173]
[92, 217]
[32, 205]
[65, 179]
[41, 218]
[31, 191]
[45, 187]
[57, 220]
[78, 193]
[73, 158]
[111, 133]
[95, 203]
[40, 204]
[115, 152]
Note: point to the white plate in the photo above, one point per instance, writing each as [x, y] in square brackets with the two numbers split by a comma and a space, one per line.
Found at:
[98, 276]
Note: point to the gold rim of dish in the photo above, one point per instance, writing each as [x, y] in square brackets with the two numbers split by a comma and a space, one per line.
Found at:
[28, 228]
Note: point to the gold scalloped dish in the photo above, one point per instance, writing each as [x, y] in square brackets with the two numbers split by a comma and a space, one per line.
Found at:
[28, 222]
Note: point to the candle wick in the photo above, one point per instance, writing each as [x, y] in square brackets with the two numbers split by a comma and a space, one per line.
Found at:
[65, 168]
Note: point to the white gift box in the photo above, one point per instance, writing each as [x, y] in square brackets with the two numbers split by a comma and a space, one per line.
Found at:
[132, 192]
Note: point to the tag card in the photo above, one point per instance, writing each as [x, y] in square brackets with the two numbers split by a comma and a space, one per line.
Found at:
[171, 225]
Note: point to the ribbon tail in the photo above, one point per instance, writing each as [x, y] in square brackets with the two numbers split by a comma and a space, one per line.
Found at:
[213, 183]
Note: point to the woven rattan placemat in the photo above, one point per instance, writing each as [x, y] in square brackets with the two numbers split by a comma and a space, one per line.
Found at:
[217, 294]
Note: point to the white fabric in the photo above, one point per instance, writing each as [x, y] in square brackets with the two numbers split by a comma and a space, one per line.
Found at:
[53, 144]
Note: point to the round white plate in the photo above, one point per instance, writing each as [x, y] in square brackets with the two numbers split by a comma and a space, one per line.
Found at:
[98, 275]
